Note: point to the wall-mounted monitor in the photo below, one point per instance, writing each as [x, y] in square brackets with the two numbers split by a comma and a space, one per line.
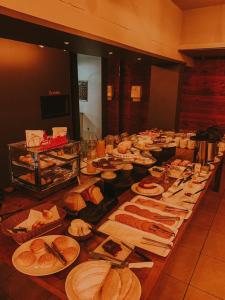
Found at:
[54, 106]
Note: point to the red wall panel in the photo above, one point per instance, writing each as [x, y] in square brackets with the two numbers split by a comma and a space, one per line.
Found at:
[203, 95]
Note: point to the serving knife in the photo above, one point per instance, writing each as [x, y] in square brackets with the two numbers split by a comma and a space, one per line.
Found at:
[122, 264]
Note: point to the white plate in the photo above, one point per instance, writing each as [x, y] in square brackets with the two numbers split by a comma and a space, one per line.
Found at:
[134, 292]
[34, 270]
[85, 172]
[133, 236]
[134, 189]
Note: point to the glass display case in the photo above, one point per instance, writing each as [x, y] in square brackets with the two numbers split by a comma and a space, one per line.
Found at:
[44, 171]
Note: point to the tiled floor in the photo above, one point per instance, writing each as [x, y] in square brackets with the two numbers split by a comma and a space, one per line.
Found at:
[196, 270]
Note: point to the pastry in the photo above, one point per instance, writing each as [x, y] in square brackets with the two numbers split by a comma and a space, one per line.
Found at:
[46, 260]
[69, 253]
[108, 175]
[112, 286]
[25, 259]
[62, 243]
[37, 246]
[74, 201]
[126, 281]
[91, 276]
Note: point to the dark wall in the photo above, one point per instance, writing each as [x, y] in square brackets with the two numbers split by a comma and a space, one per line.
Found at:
[164, 95]
[122, 113]
[27, 72]
[134, 115]
[203, 95]
[112, 106]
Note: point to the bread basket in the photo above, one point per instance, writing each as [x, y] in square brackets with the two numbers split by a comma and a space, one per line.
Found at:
[21, 237]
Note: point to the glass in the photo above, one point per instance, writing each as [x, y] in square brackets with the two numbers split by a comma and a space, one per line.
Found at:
[100, 148]
[91, 149]
[109, 140]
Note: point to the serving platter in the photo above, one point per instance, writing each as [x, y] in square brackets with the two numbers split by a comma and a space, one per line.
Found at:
[35, 270]
[133, 292]
[177, 223]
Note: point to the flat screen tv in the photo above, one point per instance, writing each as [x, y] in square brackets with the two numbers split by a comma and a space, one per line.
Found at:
[54, 106]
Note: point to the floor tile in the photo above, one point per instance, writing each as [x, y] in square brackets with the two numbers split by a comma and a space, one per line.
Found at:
[196, 294]
[169, 288]
[194, 237]
[219, 224]
[203, 218]
[209, 276]
[215, 245]
[182, 263]
[221, 209]
[210, 202]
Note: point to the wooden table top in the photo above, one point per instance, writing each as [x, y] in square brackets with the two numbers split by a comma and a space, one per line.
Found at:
[56, 283]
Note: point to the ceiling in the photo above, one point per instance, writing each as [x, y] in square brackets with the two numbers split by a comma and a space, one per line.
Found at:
[15, 29]
[190, 4]
[204, 53]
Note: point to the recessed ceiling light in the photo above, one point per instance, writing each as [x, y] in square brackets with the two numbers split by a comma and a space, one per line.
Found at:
[41, 46]
[66, 43]
[110, 52]
[139, 58]
[64, 50]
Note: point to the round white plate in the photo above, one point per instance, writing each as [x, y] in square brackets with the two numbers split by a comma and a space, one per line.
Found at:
[134, 189]
[35, 270]
[134, 292]
[85, 172]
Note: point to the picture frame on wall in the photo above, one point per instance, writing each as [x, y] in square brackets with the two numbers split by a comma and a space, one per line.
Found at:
[83, 90]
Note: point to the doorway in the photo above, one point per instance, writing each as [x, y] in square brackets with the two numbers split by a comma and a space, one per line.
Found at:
[90, 96]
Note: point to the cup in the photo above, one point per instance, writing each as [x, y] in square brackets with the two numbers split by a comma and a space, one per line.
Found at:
[100, 148]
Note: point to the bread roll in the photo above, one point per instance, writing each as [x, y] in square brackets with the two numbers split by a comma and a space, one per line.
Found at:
[74, 201]
[62, 243]
[37, 246]
[46, 260]
[69, 253]
[25, 259]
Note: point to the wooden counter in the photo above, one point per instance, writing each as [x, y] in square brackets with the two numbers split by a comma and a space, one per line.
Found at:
[55, 283]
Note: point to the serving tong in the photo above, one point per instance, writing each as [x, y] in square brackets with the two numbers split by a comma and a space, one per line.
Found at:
[152, 242]
[155, 227]
[55, 251]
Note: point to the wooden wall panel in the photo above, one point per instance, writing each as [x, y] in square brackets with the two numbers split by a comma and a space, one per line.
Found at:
[203, 95]
[112, 107]
[134, 115]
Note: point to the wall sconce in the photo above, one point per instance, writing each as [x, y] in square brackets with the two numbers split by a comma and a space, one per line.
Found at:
[109, 92]
[136, 93]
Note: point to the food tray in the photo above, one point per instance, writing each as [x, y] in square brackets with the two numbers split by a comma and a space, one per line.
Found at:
[21, 237]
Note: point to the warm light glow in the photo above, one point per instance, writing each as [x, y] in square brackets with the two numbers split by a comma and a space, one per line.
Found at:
[139, 58]
[110, 52]
[66, 43]
[41, 46]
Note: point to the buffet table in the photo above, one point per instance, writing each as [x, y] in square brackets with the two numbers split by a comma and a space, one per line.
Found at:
[55, 284]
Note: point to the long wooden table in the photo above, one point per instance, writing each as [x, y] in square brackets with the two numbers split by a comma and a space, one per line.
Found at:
[55, 283]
